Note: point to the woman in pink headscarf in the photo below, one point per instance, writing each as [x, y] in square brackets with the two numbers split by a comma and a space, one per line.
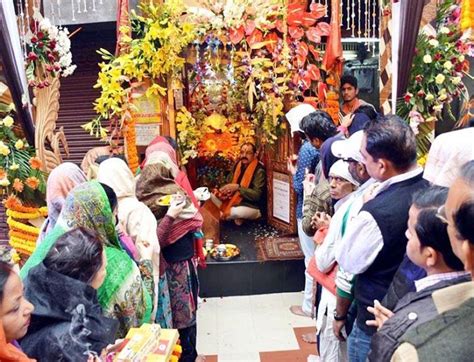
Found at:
[161, 144]
[61, 180]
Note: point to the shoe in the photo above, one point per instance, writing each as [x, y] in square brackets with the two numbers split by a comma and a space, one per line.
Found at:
[296, 309]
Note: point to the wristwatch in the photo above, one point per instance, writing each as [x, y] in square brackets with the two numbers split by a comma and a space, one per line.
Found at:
[339, 318]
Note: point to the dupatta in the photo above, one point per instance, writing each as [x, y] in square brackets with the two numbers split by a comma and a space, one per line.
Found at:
[87, 206]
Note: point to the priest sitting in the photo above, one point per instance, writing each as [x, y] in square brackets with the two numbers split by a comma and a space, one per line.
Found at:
[243, 198]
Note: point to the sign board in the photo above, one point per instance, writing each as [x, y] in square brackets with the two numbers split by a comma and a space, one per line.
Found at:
[281, 196]
[145, 133]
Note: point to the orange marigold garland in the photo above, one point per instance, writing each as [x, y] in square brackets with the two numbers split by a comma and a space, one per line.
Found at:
[22, 235]
[332, 106]
[130, 141]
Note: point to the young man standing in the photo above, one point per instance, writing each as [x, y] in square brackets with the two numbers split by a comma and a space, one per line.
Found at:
[317, 127]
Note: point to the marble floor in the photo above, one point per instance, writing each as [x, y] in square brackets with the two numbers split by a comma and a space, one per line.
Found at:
[253, 328]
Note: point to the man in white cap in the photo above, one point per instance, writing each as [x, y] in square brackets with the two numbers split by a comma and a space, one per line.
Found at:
[348, 150]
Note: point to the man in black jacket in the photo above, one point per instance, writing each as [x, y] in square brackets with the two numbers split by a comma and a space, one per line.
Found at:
[374, 243]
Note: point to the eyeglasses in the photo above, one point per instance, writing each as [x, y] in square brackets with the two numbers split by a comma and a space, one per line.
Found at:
[441, 214]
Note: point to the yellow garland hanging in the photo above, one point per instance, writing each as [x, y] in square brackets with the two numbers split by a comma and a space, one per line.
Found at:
[23, 215]
[130, 139]
[22, 235]
[20, 244]
[20, 226]
[15, 257]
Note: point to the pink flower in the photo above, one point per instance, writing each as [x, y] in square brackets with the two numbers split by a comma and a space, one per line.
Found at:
[415, 119]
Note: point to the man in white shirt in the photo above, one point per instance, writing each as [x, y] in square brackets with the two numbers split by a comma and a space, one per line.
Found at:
[374, 243]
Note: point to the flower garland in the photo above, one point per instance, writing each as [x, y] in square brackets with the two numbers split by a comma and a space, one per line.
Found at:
[332, 106]
[20, 169]
[467, 15]
[22, 236]
[439, 66]
[155, 54]
[130, 141]
[49, 51]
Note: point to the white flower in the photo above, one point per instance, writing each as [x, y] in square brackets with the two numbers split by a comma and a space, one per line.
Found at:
[45, 25]
[440, 78]
[444, 30]
[4, 182]
[19, 144]
[434, 43]
[456, 80]
[8, 121]
[429, 97]
[448, 65]
[14, 166]
[443, 97]
[427, 59]
[461, 58]
[438, 108]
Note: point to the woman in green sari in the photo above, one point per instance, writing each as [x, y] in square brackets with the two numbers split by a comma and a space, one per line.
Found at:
[123, 295]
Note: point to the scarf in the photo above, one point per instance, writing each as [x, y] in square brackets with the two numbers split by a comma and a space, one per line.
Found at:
[60, 182]
[8, 352]
[156, 180]
[136, 218]
[87, 206]
[236, 199]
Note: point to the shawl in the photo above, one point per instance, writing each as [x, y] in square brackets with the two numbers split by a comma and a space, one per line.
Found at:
[138, 221]
[87, 206]
[60, 182]
[245, 182]
[161, 144]
[156, 180]
[8, 352]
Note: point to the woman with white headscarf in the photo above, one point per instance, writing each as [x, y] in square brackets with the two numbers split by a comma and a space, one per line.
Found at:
[135, 218]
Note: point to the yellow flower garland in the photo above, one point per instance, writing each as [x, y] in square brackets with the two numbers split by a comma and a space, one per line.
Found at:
[22, 245]
[20, 226]
[23, 215]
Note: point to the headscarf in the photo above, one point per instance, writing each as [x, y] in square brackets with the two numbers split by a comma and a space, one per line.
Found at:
[8, 352]
[137, 219]
[341, 169]
[161, 144]
[156, 180]
[60, 182]
[448, 153]
[87, 206]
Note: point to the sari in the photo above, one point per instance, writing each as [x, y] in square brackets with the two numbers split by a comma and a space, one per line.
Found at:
[61, 181]
[136, 219]
[122, 295]
[9, 352]
[157, 180]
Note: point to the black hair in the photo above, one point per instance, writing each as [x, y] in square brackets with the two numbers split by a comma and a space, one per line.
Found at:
[392, 139]
[349, 79]
[254, 148]
[111, 196]
[76, 254]
[431, 230]
[102, 158]
[318, 124]
[172, 142]
[368, 110]
[464, 216]
[5, 271]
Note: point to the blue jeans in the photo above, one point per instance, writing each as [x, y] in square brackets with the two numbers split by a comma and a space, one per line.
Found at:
[358, 345]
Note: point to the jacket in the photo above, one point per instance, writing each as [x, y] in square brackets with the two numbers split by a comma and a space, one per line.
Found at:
[411, 311]
[67, 323]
